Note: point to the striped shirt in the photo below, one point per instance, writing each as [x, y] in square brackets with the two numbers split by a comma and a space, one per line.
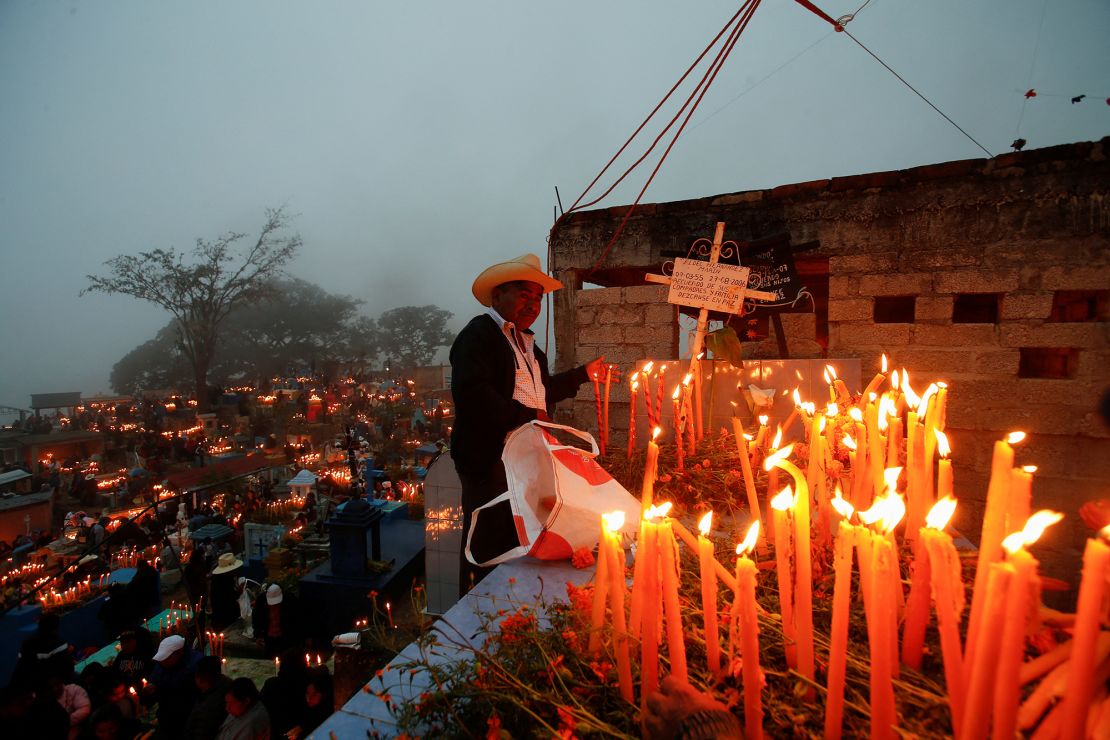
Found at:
[528, 388]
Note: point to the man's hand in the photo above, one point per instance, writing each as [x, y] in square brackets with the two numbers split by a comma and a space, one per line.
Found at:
[595, 368]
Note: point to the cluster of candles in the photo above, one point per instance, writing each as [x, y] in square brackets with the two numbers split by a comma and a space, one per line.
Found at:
[887, 505]
[75, 593]
[215, 642]
[23, 571]
[178, 619]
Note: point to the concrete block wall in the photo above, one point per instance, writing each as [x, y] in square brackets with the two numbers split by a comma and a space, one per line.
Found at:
[1023, 227]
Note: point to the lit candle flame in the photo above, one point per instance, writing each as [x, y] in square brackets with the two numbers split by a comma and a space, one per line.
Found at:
[1038, 523]
[658, 512]
[848, 442]
[614, 520]
[635, 385]
[809, 407]
[677, 390]
[884, 363]
[705, 523]
[797, 398]
[890, 476]
[1104, 533]
[1015, 437]
[687, 378]
[942, 443]
[634, 376]
[763, 420]
[777, 440]
[821, 424]
[894, 508]
[941, 513]
[842, 506]
[749, 539]
[655, 433]
[923, 406]
[912, 399]
[856, 414]
[832, 409]
[784, 500]
[778, 455]
[1013, 542]
[831, 370]
[872, 515]
[1029, 468]
[648, 366]
[895, 380]
[825, 375]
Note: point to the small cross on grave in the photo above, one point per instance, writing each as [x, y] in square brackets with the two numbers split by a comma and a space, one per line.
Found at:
[709, 286]
[262, 546]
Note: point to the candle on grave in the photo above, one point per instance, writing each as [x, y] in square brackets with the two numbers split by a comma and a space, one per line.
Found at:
[709, 596]
[781, 507]
[605, 417]
[611, 539]
[803, 584]
[1021, 609]
[744, 608]
[874, 485]
[389, 615]
[597, 410]
[601, 588]
[1021, 488]
[221, 644]
[659, 395]
[1088, 626]
[647, 560]
[838, 631]
[651, 471]
[668, 562]
[746, 467]
[884, 614]
[994, 529]
[875, 384]
[678, 442]
[689, 418]
[981, 664]
[917, 606]
[944, 466]
[761, 434]
[633, 385]
[645, 371]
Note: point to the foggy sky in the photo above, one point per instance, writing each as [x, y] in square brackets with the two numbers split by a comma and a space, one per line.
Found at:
[421, 141]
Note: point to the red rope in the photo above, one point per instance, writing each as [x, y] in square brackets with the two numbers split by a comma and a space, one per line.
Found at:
[640, 128]
[820, 13]
[703, 87]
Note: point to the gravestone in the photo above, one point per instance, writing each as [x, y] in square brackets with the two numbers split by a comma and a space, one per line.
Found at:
[443, 535]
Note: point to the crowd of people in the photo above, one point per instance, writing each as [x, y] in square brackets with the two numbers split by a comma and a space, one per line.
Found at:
[164, 690]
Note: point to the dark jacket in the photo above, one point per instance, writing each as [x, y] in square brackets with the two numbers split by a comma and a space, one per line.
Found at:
[209, 712]
[483, 376]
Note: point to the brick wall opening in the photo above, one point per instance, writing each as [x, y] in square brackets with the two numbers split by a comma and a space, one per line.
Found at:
[976, 308]
[1080, 305]
[1052, 363]
[895, 309]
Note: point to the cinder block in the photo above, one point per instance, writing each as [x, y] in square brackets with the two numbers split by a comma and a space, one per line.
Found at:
[1076, 277]
[620, 315]
[930, 363]
[871, 335]
[930, 308]
[600, 335]
[843, 286]
[642, 334]
[1026, 305]
[876, 262]
[966, 335]
[977, 281]
[850, 309]
[1001, 362]
[927, 259]
[584, 316]
[896, 284]
[1093, 334]
[597, 296]
[645, 294]
[660, 314]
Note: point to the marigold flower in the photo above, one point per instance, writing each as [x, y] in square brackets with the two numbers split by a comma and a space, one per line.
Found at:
[583, 558]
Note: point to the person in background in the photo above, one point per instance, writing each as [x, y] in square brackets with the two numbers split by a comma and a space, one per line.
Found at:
[284, 694]
[210, 710]
[246, 715]
[225, 596]
[134, 660]
[319, 704]
[276, 620]
[108, 723]
[73, 699]
[172, 685]
[43, 654]
[499, 381]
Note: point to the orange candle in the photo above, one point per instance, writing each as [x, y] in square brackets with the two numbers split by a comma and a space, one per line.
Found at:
[1022, 607]
[874, 486]
[917, 607]
[874, 385]
[709, 597]
[668, 563]
[689, 416]
[651, 471]
[632, 385]
[803, 584]
[944, 467]
[652, 420]
[947, 581]
[605, 415]
[650, 599]
[744, 605]
[1021, 490]
[613, 522]
[1088, 625]
[884, 605]
[601, 587]
[597, 409]
[994, 529]
[678, 422]
[659, 395]
[746, 467]
[838, 636]
[781, 506]
[984, 660]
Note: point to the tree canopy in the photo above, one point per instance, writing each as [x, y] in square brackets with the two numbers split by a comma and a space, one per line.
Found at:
[411, 335]
[200, 289]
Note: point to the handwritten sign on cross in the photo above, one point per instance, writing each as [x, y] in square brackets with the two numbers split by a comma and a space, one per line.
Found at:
[710, 286]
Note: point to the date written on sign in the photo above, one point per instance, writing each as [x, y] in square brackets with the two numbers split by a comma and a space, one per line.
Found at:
[715, 286]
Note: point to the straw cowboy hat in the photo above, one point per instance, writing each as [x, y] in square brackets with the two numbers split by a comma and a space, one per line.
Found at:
[226, 562]
[524, 267]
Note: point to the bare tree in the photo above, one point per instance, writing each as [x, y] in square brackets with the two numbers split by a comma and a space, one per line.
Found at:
[200, 293]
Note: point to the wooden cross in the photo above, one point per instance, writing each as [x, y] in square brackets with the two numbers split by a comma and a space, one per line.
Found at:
[703, 318]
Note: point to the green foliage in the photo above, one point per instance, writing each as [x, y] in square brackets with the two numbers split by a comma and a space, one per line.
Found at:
[411, 335]
[725, 344]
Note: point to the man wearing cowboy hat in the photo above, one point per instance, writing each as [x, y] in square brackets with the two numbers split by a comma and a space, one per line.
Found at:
[500, 380]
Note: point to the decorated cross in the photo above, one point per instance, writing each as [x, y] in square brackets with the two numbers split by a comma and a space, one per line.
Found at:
[709, 286]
